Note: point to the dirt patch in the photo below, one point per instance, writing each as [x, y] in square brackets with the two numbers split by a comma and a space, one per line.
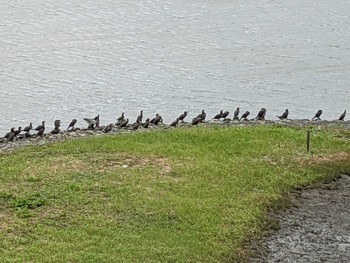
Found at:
[315, 229]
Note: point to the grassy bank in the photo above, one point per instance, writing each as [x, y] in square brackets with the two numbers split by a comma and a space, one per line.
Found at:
[183, 195]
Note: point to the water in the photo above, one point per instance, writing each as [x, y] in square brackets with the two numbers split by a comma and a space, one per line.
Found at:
[75, 59]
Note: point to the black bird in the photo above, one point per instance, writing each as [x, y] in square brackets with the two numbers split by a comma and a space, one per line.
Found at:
[235, 114]
[261, 114]
[183, 116]
[317, 115]
[196, 120]
[97, 119]
[139, 118]
[284, 115]
[18, 131]
[124, 123]
[11, 135]
[42, 126]
[108, 128]
[40, 132]
[146, 124]
[156, 120]
[225, 114]
[56, 130]
[245, 115]
[92, 123]
[174, 123]
[121, 118]
[202, 116]
[136, 125]
[218, 116]
[28, 128]
[342, 116]
[72, 124]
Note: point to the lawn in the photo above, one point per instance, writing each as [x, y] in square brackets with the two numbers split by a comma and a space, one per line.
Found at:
[177, 195]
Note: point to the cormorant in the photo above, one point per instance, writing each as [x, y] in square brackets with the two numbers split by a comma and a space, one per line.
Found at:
[317, 115]
[139, 118]
[18, 131]
[28, 128]
[261, 114]
[124, 123]
[156, 120]
[183, 116]
[342, 116]
[12, 135]
[235, 114]
[72, 124]
[108, 128]
[40, 132]
[136, 125]
[245, 115]
[97, 119]
[196, 120]
[145, 125]
[174, 123]
[40, 127]
[218, 116]
[284, 115]
[225, 114]
[121, 118]
[202, 115]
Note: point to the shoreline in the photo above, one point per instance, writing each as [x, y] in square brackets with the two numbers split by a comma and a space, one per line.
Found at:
[85, 133]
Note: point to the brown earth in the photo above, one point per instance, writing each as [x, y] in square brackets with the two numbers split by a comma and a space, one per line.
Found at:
[315, 229]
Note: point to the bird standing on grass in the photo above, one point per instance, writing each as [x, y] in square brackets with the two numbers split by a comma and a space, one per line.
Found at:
[183, 116]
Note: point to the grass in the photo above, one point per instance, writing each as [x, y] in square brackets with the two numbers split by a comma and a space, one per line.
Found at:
[182, 195]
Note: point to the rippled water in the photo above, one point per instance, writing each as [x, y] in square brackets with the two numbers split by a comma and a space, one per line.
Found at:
[74, 59]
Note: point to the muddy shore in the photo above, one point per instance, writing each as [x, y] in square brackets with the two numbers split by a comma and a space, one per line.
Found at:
[315, 229]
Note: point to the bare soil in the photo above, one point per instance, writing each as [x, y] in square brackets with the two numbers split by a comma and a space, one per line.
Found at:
[315, 229]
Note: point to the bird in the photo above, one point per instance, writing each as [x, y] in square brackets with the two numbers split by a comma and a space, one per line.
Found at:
[92, 123]
[317, 115]
[121, 118]
[174, 123]
[261, 114]
[145, 125]
[342, 116]
[202, 115]
[124, 123]
[11, 135]
[218, 116]
[284, 115]
[156, 120]
[72, 124]
[139, 118]
[225, 114]
[235, 114]
[18, 131]
[28, 128]
[40, 132]
[136, 125]
[183, 116]
[56, 130]
[108, 128]
[244, 116]
[42, 126]
[196, 120]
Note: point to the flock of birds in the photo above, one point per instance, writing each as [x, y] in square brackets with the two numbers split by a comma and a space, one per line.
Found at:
[122, 122]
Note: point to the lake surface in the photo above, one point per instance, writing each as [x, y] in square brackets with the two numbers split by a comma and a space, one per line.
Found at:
[75, 59]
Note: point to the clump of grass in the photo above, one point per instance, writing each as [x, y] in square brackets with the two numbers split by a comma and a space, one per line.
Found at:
[184, 195]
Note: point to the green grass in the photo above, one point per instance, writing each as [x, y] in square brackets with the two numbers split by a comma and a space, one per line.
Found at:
[182, 195]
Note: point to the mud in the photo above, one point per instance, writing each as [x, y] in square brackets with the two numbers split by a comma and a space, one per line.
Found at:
[315, 229]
